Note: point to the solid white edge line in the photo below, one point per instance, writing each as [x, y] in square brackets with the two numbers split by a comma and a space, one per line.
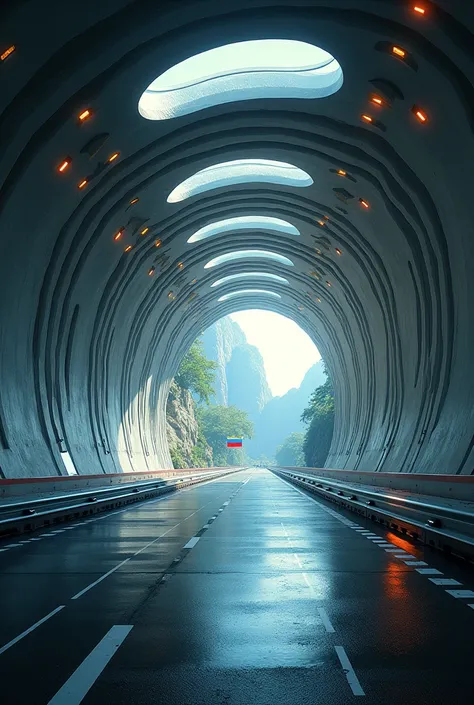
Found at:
[349, 671]
[81, 681]
[30, 629]
[325, 620]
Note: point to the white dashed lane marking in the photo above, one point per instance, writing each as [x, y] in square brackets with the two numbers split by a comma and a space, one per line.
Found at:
[460, 593]
[325, 620]
[78, 685]
[349, 671]
[444, 581]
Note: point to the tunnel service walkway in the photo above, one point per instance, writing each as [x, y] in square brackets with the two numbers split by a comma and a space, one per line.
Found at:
[243, 590]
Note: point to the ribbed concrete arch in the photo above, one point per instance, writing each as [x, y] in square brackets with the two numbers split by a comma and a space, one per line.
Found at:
[102, 295]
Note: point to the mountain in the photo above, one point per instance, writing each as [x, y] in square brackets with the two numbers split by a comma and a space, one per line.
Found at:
[241, 381]
[246, 380]
[220, 340]
[281, 416]
[240, 377]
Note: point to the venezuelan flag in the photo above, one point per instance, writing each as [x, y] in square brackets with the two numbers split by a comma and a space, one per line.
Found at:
[234, 443]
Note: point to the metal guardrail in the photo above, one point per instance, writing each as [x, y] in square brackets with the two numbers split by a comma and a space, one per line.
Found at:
[448, 525]
[29, 515]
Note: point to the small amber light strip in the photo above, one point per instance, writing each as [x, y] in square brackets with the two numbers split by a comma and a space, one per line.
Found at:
[8, 52]
[119, 234]
[144, 231]
[399, 52]
[363, 203]
[341, 172]
[329, 283]
[64, 165]
[134, 200]
[151, 271]
[338, 251]
[420, 10]
[420, 114]
[113, 157]
[82, 184]
[367, 118]
[377, 100]
[85, 115]
[128, 248]
[158, 243]
[180, 265]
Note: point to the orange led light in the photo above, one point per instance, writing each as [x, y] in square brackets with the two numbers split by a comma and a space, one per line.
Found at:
[420, 10]
[377, 100]
[321, 223]
[341, 172]
[134, 200]
[363, 203]
[158, 243]
[180, 265]
[399, 52]
[64, 165]
[128, 248]
[367, 118]
[119, 234]
[151, 271]
[85, 115]
[338, 251]
[113, 157]
[329, 283]
[82, 184]
[171, 296]
[8, 52]
[422, 117]
[144, 231]
[318, 300]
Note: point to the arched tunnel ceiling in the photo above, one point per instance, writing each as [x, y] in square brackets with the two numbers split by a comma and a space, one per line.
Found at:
[101, 292]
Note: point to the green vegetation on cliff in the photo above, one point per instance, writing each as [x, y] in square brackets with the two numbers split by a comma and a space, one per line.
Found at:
[220, 422]
[320, 416]
[291, 450]
[196, 373]
[197, 430]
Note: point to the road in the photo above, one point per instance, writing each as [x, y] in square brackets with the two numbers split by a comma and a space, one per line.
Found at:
[239, 591]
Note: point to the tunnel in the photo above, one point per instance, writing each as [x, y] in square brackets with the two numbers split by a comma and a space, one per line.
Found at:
[103, 293]
[165, 164]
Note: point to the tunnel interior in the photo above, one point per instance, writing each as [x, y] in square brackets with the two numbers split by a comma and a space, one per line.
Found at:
[332, 186]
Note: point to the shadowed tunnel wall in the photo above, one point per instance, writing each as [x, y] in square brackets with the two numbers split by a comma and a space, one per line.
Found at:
[92, 331]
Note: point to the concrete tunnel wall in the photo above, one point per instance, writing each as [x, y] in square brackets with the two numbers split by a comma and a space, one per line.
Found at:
[90, 342]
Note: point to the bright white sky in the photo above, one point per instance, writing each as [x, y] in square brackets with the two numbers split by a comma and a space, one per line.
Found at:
[287, 351]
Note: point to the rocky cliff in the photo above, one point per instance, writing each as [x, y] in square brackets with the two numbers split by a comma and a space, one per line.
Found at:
[240, 378]
[187, 449]
[281, 416]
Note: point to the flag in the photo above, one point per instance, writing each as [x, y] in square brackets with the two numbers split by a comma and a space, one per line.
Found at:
[234, 443]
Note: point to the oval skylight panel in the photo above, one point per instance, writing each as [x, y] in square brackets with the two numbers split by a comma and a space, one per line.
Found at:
[240, 171]
[249, 291]
[245, 222]
[251, 275]
[263, 68]
[249, 254]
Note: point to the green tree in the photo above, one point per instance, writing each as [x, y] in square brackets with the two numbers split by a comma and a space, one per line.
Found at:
[197, 373]
[320, 416]
[220, 422]
[291, 450]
